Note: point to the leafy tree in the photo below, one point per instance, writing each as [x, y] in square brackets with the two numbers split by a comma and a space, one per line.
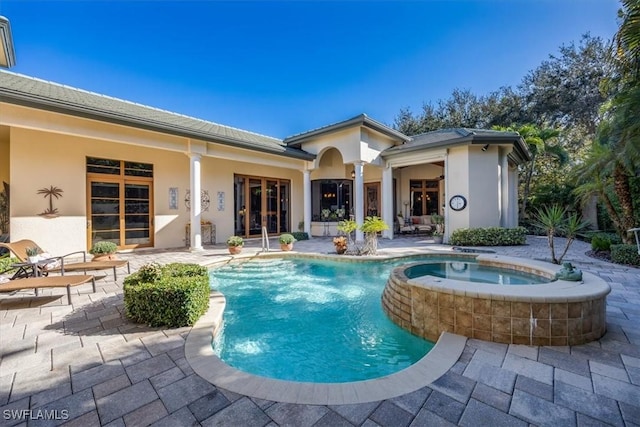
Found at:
[564, 91]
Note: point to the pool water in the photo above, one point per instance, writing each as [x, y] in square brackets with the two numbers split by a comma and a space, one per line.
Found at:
[311, 320]
[473, 272]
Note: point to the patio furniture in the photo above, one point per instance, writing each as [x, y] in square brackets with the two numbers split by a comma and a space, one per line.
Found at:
[415, 224]
[57, 264]
[49, 282]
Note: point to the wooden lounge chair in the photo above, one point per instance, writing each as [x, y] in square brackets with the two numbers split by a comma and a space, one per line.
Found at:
[58, 264]
[49, 282]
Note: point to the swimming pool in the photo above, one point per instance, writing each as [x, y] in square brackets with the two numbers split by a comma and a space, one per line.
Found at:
[311, 320]
[474, 272]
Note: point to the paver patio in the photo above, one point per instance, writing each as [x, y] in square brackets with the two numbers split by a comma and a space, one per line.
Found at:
[88, 365]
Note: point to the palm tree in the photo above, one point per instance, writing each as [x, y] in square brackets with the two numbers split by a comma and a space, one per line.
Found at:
[627, 39]
[615, 156]
[540, 144]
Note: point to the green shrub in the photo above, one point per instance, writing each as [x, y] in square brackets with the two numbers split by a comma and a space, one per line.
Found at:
[489, 236]
[173, 295]
[625, 254]
[603, 241]
[103, 247]
[300, 235]
[6, 262]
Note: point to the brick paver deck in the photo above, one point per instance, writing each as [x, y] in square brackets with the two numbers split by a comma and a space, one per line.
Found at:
[86, 364]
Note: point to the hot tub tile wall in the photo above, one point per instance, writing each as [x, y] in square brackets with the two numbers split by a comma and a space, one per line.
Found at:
[428, 311]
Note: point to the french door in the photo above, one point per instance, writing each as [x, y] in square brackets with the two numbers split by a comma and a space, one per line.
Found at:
[261, 202]
[120, 211]
[372, 199]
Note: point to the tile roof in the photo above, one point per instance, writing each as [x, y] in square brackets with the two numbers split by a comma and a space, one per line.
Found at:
[454, 136]
[32, 92]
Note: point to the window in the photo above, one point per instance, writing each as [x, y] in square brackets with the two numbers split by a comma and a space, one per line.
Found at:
[424, 196]
[330, 199]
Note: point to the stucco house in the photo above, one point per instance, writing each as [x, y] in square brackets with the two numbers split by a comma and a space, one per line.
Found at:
[144, 177]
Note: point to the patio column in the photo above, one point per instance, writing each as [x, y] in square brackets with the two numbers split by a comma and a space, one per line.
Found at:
[196, 210]
[387, 200]
[307, 201]
[359, 198]
[505, 220]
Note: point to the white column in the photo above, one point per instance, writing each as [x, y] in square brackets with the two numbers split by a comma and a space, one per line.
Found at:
[513, 196]
[447, 197]
[359, 198]
[307, 202]
[387, 200]
[196, 209]
[504, 195]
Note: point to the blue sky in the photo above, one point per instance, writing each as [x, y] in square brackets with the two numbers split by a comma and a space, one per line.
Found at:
[280, 68]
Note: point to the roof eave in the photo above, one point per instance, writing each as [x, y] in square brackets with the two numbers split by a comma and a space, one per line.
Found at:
[361, 120]
[522, 152]
[88, 113]
[6, 43]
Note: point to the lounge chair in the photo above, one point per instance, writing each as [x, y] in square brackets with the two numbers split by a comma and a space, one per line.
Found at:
[49, 282]
[58, 264]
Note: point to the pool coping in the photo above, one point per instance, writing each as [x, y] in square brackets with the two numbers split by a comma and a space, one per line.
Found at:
[200, 356]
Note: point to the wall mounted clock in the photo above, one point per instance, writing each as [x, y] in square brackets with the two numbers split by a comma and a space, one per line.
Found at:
[458, 202]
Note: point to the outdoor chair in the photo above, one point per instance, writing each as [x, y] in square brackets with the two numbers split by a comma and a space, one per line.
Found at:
[57, 264]
[49, 282]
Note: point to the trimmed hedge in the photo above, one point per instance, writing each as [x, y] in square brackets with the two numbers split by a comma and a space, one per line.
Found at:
[489, 236]
[173, 295]
[300, 235]
[625, 254]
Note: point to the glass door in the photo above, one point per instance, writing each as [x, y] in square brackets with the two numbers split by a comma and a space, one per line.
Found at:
[271, 214]
[255, 207]
[372, 199]
[104, 209]
[120, 212]
[137, 214]
[261, 202]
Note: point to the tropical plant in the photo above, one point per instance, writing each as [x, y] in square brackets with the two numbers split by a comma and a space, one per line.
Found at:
[555, 222]
[540, 143]
[103, 247]
[347, 226]
[235, 241]
[371, 226]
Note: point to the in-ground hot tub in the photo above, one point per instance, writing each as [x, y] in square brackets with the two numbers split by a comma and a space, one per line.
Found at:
[549, 312]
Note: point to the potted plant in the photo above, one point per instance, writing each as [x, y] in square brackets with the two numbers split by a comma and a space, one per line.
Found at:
[286, 241]
[235, 244]
[32, 254]
[340, 243]
[438, 220]
[437, 237]
[103, 251]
